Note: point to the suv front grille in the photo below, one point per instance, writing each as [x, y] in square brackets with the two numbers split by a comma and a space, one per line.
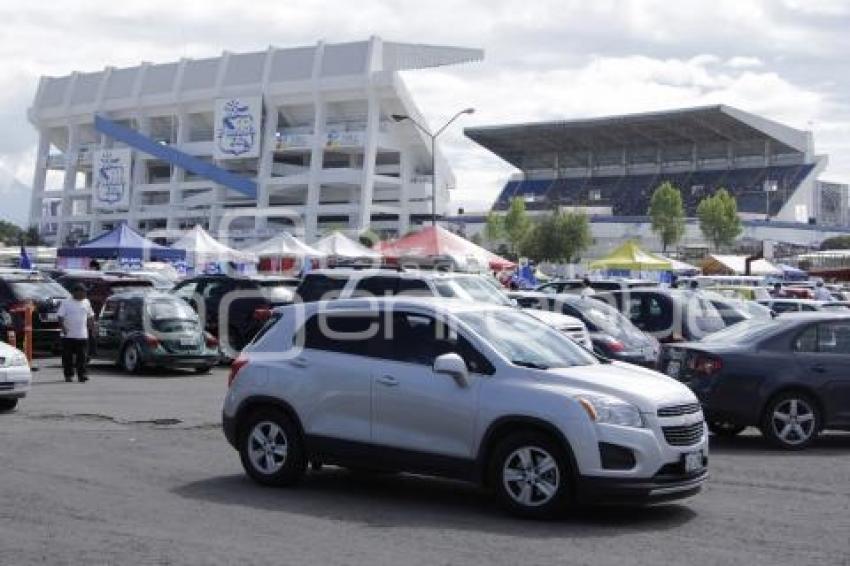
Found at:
[679, 410]
[685, 435]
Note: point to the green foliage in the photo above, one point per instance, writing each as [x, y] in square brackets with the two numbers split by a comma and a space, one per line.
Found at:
[494, 229]
[13, 235]
[718, 219]
[368, 237]
[668, 214]
[516, 223]
[559, 237]
[836, 243]
[476, 239]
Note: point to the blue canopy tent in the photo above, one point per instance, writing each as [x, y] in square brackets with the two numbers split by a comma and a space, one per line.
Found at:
[124, 245]
[791, 273]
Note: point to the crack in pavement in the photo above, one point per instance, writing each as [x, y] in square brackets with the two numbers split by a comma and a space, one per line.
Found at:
[160, 422]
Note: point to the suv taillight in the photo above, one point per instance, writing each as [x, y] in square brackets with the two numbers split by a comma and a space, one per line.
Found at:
[210, 340]
[151, 341]
[237, 365]
[706, 365]
[262, 314]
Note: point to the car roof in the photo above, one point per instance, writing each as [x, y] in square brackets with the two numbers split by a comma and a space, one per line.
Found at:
[445, 305]
[815, 316]
[142, 293]
[794, 300]
[106, 277]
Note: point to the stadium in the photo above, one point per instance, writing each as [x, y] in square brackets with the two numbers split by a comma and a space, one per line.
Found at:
[301, 139]
[609, 167]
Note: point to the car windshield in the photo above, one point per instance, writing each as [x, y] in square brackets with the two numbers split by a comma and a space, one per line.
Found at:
[605, 318]
[525, 341]
[37, 289]
[278, 291]
[471, 289]
[746, 332]
[170, 309]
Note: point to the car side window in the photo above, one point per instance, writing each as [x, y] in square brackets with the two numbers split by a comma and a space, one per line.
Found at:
[215, 289]
[414, 287]
[110, 309]
[319, 287]
[834, 337]
[186, 290]
[420, 339]
[342, 333]
[807, 341]
[375, 286]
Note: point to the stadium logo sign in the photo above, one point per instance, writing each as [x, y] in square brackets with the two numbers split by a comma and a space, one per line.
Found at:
[237, 132]
[112, 185]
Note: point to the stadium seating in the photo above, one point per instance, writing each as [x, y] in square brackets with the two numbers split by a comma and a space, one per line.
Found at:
[629, 195]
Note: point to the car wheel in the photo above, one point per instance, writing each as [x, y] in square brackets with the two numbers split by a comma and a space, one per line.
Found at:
[791, 420]
[726, 429]
[131, 358]
[8, 404]
[203, 370]
[531, 475]
[271, 449]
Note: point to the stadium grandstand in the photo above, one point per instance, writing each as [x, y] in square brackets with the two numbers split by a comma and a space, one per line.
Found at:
[610, 166]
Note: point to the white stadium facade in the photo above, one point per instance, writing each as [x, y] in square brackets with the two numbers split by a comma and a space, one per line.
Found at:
[298, 139]
[608, 168]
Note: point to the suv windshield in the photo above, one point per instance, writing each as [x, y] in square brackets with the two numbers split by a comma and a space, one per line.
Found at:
[526, 342]
[605, 318]
[746, 332]
[36, 289]
[471, 289]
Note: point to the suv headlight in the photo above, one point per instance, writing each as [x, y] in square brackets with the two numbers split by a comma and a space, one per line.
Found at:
[610, 410]
[16, 359]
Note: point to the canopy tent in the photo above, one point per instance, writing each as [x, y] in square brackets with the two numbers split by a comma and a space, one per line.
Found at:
[629, 257]
[339, 246]
[736, 265]
[435, 242]
[681, 268]
[284, 252]
[791, 273]
[125, 245]
[201, 249]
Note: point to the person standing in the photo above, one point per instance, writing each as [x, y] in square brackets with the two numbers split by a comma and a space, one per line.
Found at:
[586, 289]
[822, 293]
[76, 318]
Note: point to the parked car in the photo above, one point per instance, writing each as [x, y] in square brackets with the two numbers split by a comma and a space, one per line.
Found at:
[743, 292]
[471, 391]
[787, 376]
[348, 283]
[159, 281]
[612, 334]
[151, 329]
[560, 286]
[99, 285]
[17, 288]
[15, 377]
[249, 300]
[782, 306]
[572, 326]
[670, 315]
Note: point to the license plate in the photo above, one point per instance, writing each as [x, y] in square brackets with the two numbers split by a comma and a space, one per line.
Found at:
[50, 317]
[673, 368]
[693, 462]
[187, 341]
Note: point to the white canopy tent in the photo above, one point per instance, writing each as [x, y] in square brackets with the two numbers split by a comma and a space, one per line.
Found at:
[338, 245]
[284, 252]
[202, 250]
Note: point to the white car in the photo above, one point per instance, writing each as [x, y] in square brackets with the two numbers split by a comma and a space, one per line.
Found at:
[465, 390]
[15, 377]
[569, 325]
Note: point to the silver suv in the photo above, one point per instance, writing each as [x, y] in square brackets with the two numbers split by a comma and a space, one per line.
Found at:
[464, 390]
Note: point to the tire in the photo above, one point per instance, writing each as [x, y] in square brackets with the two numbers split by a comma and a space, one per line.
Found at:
[8, 404]
[203, 370]
[521, 465]
[271, 449]
[725, 429]
[131, 358]
[791, 420]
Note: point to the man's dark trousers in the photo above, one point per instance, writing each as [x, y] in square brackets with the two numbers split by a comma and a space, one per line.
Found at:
[75, 354]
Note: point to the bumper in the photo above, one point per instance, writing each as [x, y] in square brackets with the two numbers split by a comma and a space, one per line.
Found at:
[658, 489]
[180, 360]
[228, 425]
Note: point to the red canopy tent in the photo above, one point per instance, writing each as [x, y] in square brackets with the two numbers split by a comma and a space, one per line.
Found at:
[437, 243]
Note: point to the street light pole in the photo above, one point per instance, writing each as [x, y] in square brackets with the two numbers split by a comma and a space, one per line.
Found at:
[433, 137]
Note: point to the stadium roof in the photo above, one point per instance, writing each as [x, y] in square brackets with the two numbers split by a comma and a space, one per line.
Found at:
[701, 125]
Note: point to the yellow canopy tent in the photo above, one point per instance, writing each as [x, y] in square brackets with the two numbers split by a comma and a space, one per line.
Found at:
[630, 257]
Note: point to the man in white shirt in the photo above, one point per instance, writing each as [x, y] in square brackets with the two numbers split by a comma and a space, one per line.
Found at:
[586, 289]
[77, 319]
[822, 293]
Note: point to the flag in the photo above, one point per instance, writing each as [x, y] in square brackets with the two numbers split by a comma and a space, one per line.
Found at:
[25, 262]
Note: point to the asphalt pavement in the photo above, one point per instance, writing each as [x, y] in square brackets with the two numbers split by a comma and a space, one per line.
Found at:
[134, 470]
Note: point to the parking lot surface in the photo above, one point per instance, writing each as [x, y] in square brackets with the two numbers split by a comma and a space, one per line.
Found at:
[135, 470]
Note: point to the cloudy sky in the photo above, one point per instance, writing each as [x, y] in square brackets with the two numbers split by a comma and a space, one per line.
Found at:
[545, 59]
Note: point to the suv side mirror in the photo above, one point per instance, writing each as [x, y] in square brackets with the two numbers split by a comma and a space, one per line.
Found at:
[453, 365]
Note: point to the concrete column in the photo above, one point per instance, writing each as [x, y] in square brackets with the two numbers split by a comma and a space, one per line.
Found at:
[405, 176]
[139, 173]
[178, 175]
[370, 151]
[40, 177]
[317, 152]
[264, 169]
[69, 183]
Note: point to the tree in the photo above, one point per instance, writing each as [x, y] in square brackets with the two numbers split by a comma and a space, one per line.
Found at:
[10, 234]
[368, 237]
[516, 223]
[559, 237]
[718, 218]
[836, 243]
[494, 229]
[668, 214]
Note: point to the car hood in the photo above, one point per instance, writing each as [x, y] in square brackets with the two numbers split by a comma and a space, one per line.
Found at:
[554, 319]
[644, 388]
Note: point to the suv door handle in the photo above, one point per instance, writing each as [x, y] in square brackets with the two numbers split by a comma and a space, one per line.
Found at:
[818, 368]
[298, 362]
[387, 380]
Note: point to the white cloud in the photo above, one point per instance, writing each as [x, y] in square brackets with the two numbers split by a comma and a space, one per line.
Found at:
[744, 62]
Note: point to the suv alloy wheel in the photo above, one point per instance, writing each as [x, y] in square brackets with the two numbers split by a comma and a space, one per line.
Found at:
[531, 475]
[791, 420]
[271, 449]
